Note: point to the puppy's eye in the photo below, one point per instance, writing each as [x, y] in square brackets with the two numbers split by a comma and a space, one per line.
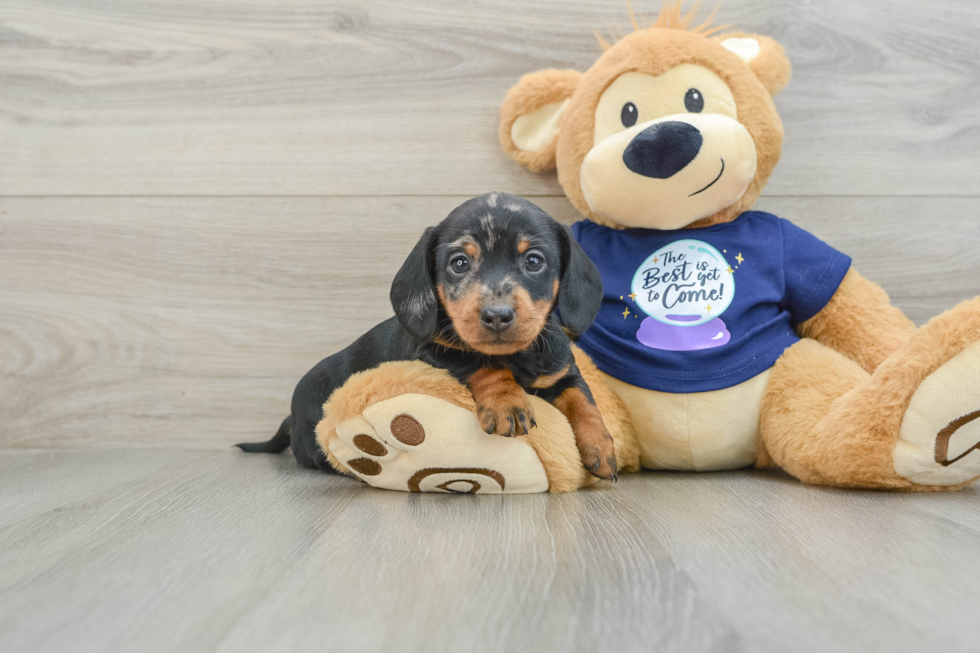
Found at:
[694, 101]
[629, 114]
[533, 262]
[459, 264]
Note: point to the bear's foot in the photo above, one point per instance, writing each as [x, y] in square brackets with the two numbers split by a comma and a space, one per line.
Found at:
[419, 443]
[939, 439]
[914, 424]
[932, 388]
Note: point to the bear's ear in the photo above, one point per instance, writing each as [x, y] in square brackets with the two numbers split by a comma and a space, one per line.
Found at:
[531, 113]
[763, 55]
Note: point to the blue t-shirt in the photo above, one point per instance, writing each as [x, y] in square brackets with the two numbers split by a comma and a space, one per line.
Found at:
[692, 310]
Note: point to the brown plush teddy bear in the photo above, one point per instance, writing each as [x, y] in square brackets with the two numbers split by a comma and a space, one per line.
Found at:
[727, 337]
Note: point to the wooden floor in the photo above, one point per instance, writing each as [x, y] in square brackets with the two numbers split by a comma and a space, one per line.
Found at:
[199, 200]
[220, 551]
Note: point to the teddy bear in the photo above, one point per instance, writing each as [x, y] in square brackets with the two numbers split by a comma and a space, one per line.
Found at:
[727, 337]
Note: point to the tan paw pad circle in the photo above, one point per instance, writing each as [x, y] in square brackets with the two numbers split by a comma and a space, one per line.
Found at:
[407, 430]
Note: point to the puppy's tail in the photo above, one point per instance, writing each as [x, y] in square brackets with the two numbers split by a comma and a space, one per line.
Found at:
[277, 444]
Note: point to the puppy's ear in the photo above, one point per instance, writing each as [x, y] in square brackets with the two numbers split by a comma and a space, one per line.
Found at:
[580, 287]
[413, 294]
[531, 113]
[763, 55]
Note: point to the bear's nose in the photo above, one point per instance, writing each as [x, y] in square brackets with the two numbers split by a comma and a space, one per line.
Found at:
[661, 151]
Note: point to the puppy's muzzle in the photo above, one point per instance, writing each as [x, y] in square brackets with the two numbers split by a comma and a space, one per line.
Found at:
[497, 318]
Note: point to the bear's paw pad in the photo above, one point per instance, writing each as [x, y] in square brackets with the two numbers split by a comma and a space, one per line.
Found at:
[419, 443]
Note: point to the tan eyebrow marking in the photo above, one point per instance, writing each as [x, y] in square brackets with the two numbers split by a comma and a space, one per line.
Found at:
[472, 249]
[523, 245]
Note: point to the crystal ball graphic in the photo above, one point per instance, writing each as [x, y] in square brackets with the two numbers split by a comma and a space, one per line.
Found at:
[686, 283]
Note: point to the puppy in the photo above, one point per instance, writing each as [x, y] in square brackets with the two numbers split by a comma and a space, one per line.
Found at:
[476, 297]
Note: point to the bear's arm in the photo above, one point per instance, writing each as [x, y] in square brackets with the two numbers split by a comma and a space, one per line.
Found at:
[860, 322]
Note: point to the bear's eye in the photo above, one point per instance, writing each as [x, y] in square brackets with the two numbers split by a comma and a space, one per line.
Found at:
[694, 101]
[629, 115]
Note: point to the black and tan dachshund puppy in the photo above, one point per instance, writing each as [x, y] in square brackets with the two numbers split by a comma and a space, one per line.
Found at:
[476, 297]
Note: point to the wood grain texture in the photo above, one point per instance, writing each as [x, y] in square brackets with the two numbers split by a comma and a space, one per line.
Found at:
[221, 551]
[307, 97]
[187, 322]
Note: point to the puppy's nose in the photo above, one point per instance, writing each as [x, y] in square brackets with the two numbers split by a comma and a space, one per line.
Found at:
[661, 151]
[497, 318]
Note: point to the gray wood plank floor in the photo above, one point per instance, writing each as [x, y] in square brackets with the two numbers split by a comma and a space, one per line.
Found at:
[200, 200]
[186, 551]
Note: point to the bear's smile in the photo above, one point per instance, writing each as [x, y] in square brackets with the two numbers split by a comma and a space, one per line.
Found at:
[698, 192]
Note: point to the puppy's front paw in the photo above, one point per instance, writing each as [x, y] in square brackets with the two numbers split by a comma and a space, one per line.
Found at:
[507, 415]
[599, 457]
[595, 445]
[502, 405]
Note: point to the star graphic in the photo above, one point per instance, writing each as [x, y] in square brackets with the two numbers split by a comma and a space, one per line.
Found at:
[626, 312]
[632, 296]
[708, 308]
[739, 258]
[656, 260]
[730, 270]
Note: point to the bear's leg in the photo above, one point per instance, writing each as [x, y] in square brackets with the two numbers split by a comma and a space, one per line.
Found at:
[914, 424]
[411, 427]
